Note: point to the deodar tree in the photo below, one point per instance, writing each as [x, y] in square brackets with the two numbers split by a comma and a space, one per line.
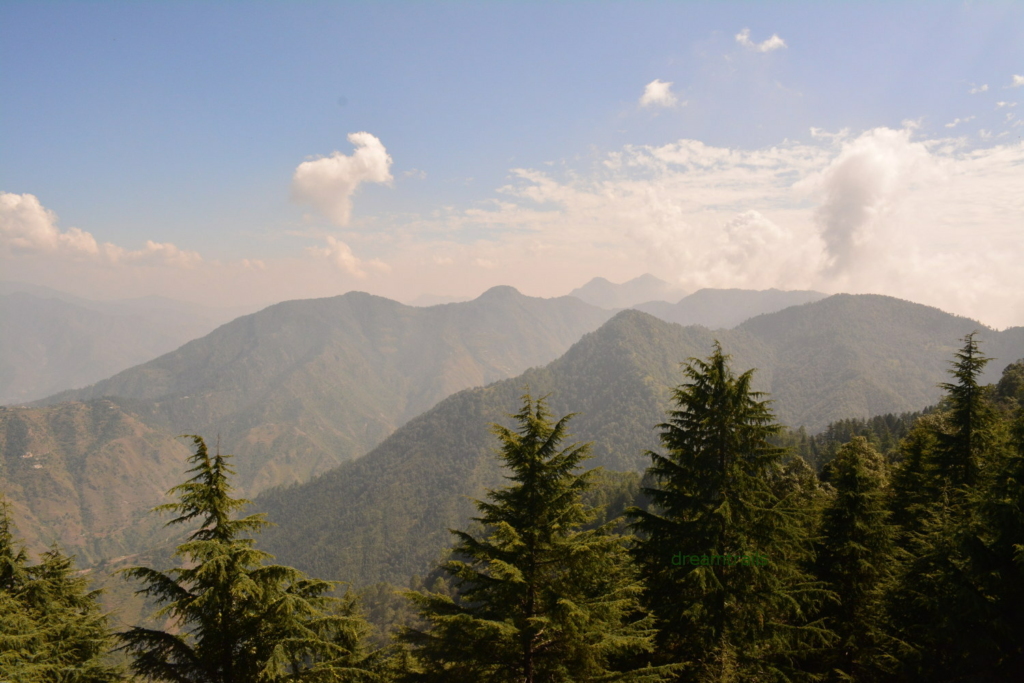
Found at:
[238, 619]
[537, 598]
[721, 490]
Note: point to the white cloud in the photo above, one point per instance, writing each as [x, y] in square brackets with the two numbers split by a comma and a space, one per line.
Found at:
[932, 221]
[977, 89]
[340, 254]
[773, 43]
[1017, 81]
[327, 183]
[859, 187]
[1000, 105]
[29, 228]
[955, 122]
[658, 93]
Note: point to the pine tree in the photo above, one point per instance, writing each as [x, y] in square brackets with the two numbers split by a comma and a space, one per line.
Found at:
[240, 620]
[721, 493]
[52, 627]
[960, 446]
[536, 597]
[941, 605]
[855, 556]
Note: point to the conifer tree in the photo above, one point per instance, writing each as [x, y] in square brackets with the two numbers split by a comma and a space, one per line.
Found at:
[723, 548]
[941, 604]
[240, 620]
[855, 556]
[51, 626]
[536, 597]
[960, 445]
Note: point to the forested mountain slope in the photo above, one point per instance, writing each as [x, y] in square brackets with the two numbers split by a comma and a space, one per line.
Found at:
[305, 385]
[384, 516]
[726, 308]
[861, 355]
[84, 474]
[292, 390]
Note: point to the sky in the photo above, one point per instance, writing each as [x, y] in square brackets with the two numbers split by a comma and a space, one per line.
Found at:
[235, 153]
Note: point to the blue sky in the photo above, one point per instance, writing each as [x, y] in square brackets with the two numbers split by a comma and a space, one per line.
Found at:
[511, 145]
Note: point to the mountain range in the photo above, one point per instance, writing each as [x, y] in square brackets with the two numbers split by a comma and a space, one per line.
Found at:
[302, 387]
[385, 516]
[293, 390]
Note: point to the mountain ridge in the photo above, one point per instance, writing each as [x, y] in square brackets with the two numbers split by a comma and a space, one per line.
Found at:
[383, 517]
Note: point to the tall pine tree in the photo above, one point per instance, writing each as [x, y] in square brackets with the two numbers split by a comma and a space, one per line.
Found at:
[536, 597]
[724, 547]
[240, 620]
[941, 605]
[969, 419]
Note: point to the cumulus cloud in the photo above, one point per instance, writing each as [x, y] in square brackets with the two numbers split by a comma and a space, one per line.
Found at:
[977, 89]
[860, 186]
[773, 43]
[27, 227]
[658, 93]
[1017, 81]
[328, 183]
[341, 255]
[1000, 105]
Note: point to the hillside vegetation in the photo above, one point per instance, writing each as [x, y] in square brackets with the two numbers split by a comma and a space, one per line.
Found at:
[384, 516]
[305, 385]
[301, 387]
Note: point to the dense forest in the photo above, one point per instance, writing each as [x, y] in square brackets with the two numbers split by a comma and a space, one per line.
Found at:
[882, 549]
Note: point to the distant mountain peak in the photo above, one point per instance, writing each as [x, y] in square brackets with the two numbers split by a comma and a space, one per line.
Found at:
[601, 292]
[500, 292]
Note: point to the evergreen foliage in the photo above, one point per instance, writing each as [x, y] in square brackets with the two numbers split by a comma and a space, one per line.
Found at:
[855, 558]
[537, 597]
[949, 603]
[721, 490]
[52, 629]
[237, 619]
[1000, 525]
[959, 447]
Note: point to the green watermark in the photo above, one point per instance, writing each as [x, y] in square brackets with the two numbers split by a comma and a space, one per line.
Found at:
[745, 560]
